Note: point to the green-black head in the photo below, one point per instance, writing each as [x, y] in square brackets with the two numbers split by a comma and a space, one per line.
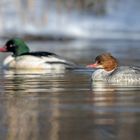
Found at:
[15, 45]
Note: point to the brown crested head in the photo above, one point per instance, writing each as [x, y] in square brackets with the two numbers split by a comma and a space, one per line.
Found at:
[106, 61]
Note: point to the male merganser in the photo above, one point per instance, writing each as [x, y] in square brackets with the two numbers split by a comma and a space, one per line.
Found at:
[22, 58]
[108, 70]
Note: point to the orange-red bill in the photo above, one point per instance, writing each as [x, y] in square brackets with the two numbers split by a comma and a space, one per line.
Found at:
[3, 49]
[92, 65]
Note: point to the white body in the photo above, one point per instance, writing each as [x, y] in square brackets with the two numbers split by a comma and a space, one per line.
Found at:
[33, 62]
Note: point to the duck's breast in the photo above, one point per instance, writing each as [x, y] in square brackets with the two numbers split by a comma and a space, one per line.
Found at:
[100, 75]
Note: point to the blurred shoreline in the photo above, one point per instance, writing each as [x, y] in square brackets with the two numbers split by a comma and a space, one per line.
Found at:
[104, 36]
[69, 20]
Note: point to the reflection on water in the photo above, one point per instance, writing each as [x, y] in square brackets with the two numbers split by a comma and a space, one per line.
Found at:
[65, 106]
[104, 86]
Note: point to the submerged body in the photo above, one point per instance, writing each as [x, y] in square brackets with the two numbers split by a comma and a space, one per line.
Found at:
[22, 58]
[109, 71]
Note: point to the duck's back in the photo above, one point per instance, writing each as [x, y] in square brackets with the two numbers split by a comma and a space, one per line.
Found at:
[125, 74]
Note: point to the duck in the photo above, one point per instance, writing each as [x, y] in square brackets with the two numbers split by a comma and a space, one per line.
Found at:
[23, 58]
[107, 69]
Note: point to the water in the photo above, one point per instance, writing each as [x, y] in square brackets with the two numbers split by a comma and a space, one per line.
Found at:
[64, 105]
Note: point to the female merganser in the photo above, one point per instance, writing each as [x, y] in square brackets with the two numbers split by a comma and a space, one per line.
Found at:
[108, 70]
[22, 58]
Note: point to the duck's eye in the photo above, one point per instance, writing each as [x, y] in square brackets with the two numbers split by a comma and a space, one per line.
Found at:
[99, 62]
[11, 45]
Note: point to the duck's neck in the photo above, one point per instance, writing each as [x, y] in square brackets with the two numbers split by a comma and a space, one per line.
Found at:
[110, 65]
[19, 51]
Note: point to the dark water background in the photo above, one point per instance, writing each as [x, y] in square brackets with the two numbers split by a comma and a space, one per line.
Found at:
[64, 106]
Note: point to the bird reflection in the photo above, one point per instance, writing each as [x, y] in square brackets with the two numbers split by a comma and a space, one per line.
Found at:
[104, 86]
[25, 92]
[112, 107]
[31, 72]
[62, 106]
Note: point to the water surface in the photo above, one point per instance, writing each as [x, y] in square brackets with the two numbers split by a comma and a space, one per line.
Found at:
[64, 105]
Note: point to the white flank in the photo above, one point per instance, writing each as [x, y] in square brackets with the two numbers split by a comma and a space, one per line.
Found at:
[33, 62]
